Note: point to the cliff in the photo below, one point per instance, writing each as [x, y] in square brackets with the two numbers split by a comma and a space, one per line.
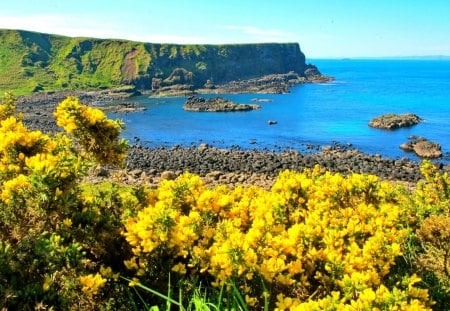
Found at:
[33, 62]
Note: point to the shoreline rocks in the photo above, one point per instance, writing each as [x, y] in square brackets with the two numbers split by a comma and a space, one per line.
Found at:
[267, 164]
[269, 84]
[392, 121]
[217, 104]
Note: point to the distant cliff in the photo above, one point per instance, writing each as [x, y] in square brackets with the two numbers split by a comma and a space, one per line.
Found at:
[32, 62]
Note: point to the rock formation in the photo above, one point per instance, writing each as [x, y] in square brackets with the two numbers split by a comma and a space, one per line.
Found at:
[423, 147]
[217, 104]
[392, 121]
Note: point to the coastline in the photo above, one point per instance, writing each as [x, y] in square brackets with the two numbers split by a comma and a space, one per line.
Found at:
[227, 166]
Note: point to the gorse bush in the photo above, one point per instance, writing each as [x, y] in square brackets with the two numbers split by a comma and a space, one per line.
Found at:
[52, 235]
[314, 241]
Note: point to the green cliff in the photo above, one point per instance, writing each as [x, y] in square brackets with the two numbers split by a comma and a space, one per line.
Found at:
[32, 62]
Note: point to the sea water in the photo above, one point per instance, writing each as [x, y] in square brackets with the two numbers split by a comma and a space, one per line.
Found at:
[313, 114]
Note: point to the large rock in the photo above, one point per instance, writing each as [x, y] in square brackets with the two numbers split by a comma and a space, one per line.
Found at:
[427, 149]
[423, 147]
[216, 104]
[392, 121]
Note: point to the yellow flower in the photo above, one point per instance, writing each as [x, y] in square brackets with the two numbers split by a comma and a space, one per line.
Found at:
[67, 222]
[92, 283]
[179, 268]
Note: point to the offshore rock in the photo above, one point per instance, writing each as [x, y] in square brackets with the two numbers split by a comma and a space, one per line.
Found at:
[392, 121]
[217, 104]
[423, 147]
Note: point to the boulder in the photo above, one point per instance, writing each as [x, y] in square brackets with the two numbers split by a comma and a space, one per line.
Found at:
[427, 149]
[422, 147]
[392, 121]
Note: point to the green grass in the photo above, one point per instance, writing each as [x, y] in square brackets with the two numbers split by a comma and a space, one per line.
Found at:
[31, 61]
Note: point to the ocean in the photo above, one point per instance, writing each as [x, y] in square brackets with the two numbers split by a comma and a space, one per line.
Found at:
[313, 114]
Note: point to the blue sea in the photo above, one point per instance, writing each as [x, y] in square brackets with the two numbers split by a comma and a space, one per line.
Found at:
[314, 114]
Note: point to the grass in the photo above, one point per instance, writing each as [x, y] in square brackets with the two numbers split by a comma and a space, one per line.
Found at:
[31, 61]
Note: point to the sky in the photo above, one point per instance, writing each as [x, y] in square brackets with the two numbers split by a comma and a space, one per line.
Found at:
[323, 28]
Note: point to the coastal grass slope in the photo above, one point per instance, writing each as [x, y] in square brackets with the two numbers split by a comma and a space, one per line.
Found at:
[33, 62]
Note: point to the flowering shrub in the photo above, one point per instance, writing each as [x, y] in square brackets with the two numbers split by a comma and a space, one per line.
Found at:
[317, 240]
[95, 132]
[51, 236]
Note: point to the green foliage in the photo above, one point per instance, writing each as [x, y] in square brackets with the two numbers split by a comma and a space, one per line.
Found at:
[33, 62]
[55, 239]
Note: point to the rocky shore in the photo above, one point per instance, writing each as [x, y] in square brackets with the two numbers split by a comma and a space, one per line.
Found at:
[38, 108]
[268, 84]
[225, 166]
[260, 167]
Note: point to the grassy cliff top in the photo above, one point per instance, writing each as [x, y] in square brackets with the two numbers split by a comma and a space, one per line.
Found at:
[33, 62]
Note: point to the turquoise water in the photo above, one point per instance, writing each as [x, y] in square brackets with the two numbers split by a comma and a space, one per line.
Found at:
[317, 114]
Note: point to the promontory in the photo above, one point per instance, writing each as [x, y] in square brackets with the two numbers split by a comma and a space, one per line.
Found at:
[39, 62]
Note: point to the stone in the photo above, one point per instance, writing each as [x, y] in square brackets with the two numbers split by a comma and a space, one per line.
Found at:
[422, 147]
[427, 149]
[169, 175]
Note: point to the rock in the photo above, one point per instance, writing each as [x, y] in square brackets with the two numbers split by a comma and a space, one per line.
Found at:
[427, 149]
[202, 147]
[169, 175]
[262, 100]
[214, 175]
[392, 121]
[409, 146]
[422, 147]
[217, 104]
[272, 83]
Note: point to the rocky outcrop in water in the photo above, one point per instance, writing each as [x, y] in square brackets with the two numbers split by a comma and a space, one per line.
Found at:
[217, 104]
[392, 121]
[269, 84]
[423, 147]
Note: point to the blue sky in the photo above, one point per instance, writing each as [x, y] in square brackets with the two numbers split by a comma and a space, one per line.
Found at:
[324, 28]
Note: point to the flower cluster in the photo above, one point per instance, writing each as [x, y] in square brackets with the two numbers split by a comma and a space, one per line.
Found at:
[44, 214]
[92, 283]
[99, 135]
[314, 234]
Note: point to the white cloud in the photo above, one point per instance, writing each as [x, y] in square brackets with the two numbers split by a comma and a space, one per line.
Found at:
[89, 26]
[64, 25]
[259, 34]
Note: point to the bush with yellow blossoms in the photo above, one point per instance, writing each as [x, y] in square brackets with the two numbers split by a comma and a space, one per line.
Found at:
[99, 135]
[315, 241]
[53, 237]
[428, 249]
